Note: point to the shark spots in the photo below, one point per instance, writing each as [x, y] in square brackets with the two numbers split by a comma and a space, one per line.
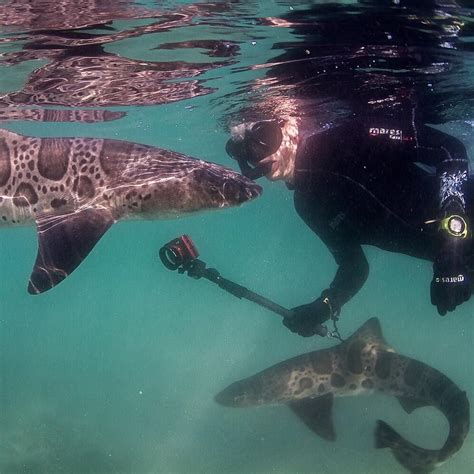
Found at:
[367, 384]
[84, 187]
[383, 364]
[322, 364]
[337, 380]
[58, 203]
[25, 195]
[354, 359]
[112, 154]
[5, 163]
[53, 158]
[304, 383]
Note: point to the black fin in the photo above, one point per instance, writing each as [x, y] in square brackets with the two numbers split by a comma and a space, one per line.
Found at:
[385, 436]
[416, 460]
[63, 242]
[316, 414]
[411, 404]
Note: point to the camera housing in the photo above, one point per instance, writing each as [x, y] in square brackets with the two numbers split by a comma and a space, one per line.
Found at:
[179, 252]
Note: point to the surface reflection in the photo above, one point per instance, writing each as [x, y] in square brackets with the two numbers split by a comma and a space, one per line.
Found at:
[80, 72]
[368, 58]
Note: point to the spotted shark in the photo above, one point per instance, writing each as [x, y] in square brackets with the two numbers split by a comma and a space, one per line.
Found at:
[74, 189]
[361, 365]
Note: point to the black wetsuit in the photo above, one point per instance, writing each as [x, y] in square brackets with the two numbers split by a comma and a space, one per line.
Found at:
[371, 182]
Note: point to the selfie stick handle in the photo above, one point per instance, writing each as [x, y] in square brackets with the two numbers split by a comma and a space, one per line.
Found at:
[197, 269]
[241, 292]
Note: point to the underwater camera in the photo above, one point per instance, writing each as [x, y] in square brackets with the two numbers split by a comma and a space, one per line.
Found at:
[179, 252]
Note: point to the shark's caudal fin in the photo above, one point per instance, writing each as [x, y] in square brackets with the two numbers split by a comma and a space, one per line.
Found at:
[63, 242]
[387, 437]
[316, 414]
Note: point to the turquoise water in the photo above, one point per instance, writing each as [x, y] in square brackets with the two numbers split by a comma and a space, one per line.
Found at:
[115, 370]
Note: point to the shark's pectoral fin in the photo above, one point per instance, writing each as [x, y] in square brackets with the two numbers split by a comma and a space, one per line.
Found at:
[63, 242]
[316, 414]
[411, 404]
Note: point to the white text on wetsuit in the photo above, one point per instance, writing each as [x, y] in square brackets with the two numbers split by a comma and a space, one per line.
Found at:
[393, 133]
[453, 279]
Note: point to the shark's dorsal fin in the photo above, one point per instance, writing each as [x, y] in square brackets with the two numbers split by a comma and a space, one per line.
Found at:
[369, 332]
[63, 242]
[316, 414]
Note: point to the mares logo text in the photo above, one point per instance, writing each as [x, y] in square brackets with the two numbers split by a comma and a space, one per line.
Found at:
[393, 133]
[453, 279]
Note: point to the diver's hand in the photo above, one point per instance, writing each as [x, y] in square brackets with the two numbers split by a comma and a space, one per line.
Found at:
[450, 287]
[308, 318]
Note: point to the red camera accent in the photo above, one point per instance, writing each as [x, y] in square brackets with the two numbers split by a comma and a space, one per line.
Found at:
[190, 247]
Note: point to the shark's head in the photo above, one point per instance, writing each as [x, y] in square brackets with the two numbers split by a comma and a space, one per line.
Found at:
[202, 186]
[211, 186]
[242, 393]
[157, 183]
[271, 388]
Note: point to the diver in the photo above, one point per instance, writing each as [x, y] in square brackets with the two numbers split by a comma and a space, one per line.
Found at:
[401, 187]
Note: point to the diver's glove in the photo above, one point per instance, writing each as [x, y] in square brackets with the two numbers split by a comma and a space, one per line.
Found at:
[451, 284]
[308, 318]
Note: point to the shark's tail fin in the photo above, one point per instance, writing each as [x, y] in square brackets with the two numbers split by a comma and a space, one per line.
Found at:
[386, 436]
[416, 460]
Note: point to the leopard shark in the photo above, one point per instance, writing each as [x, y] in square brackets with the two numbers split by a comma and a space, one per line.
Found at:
[361, 365]
[74, 189]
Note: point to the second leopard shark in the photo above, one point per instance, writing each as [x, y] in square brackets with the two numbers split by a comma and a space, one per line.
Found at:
[74, 189]
[361, 365]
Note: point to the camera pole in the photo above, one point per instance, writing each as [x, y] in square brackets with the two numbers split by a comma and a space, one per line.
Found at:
[197, 269]
[181, 254]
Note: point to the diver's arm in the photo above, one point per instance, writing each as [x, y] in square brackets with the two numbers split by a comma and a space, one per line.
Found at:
[353, 268]
[436, 147]
[448, 156]
[352, 272]
[451, 284]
